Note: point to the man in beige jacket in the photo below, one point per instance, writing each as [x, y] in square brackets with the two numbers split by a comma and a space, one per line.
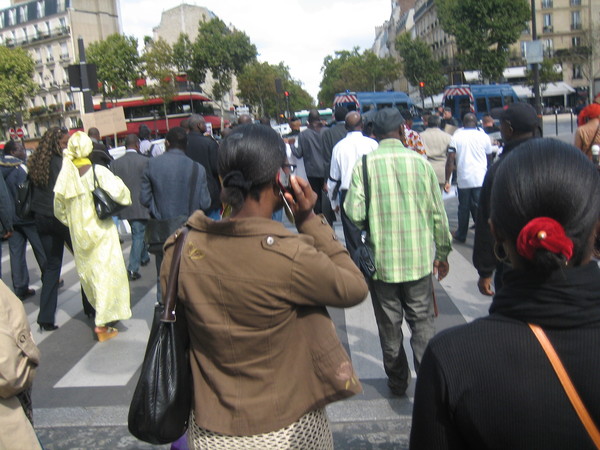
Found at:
[436, 142]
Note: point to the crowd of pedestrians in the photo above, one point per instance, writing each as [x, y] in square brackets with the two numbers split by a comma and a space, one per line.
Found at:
[265, 356]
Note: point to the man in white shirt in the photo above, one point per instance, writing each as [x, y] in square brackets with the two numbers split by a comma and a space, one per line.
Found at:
[469, 148]
[343, 159]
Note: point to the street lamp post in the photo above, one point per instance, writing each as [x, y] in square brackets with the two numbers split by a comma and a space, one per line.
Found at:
[536, 67]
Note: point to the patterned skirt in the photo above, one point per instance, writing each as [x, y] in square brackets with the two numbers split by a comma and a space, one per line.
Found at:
[310, 432]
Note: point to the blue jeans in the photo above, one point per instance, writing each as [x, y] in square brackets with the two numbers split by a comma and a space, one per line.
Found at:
[392, 302]
[139, 252]
[468, 201]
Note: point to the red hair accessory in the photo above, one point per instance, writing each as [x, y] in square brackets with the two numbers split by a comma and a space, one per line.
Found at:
[588, 113]
[544, 232]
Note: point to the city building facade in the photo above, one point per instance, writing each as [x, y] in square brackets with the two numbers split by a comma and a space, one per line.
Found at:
[49, 31]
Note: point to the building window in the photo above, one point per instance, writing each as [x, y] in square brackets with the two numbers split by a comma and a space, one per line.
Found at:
[575, 2]
[64, 50]
[575, 20]
[547, 23]
[12, 17]
[23, 14]
[63, 22]
[548, 48]
[546, 4]
[576, 41]
[577, 73]
[523, 45]
[41, 9]
[50, 58]
[1, 20]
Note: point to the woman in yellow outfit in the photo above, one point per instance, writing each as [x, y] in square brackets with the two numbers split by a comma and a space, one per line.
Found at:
[95, 242]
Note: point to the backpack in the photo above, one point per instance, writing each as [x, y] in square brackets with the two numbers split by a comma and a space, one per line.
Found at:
[23, 196]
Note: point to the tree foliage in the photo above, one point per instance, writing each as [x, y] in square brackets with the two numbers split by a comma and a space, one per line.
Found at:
[117, 64]
[221, 51]
[548, 73]
[484, 30]
[419, 64]
[256, 86]
[351, 70]
[182, 53]
[158, 63]
[16, 79]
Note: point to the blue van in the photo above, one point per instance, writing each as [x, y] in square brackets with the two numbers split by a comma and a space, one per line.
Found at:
[373, 101]
[480, 99]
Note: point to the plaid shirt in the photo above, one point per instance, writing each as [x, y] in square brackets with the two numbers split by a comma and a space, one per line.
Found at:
[406, 213]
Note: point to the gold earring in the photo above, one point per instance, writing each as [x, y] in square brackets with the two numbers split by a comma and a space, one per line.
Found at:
[500, 252]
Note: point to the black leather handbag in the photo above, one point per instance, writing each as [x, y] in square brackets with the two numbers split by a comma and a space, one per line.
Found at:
[23, 197]
[105, 206]
[160, 407]
[363, 256]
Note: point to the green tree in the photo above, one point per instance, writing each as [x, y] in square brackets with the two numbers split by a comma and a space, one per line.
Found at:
[182, 53]
[351, 70]
[484, 30]
[159, 66]
[117, 64]
[256, 86]
[16, 80]
[548, 73]
[221, 51]
[419, 64]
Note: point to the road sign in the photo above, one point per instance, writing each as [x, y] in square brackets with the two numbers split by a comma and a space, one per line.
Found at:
[12, 133]
[20, 133]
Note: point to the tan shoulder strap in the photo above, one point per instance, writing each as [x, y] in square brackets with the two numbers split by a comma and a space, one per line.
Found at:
[563, 376]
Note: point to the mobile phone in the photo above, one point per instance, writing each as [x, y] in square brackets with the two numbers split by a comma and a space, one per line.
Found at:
[283, 178]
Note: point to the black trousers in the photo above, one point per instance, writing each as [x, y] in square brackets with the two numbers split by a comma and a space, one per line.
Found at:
[54, 236]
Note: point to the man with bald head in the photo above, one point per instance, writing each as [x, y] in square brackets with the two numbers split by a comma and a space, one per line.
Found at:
[343, 158]
[468, 148]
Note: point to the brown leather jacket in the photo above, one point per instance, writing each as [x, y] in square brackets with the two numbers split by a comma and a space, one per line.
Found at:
[264, 350]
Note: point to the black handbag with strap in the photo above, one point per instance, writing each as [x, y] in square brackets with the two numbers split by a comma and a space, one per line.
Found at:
[158, 230]
[161, 404]
[105, 206]
[363, 256]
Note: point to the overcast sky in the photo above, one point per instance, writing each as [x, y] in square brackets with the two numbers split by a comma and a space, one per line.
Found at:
[298, 32]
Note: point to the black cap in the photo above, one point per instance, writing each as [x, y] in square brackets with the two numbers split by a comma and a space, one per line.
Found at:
[386, 120]
[522, 117]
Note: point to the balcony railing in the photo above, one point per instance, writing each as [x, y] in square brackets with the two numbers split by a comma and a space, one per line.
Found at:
[576, 26]
[548, 29]
[57, 32]
[547, 4]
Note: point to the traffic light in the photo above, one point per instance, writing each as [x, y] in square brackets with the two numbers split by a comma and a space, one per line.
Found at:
[421, 84]
[286, 93]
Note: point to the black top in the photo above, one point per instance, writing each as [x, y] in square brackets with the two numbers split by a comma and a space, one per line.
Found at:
[42, 199]
[205, 151]
[484, 259]
[489, 384]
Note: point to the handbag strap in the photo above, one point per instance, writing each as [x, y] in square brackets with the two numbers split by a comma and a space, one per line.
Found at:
[95, 179]
[567, 385]
[367, 192]
[170, 296]
[193, 190]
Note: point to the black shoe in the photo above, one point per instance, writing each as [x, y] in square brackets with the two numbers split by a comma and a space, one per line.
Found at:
[61, 283]
[47, 326]
[133, 275]
[145, 263]
[28, 293]
[462, 241]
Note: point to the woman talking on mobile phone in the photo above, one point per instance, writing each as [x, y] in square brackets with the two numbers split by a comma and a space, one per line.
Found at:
[265, 356]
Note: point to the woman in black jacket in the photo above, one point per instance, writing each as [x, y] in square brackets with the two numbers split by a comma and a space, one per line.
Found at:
[44, 166]
[489, 384]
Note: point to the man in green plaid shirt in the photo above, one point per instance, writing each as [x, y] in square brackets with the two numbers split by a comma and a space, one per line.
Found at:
[407, 223]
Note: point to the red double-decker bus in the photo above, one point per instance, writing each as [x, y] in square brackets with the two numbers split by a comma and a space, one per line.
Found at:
[150, 112]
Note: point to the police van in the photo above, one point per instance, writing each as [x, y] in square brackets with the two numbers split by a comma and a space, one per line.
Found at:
[373, 101]
[480, 99]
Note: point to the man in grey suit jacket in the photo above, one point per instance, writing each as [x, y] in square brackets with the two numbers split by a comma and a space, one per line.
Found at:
[167, 183]
[130, 168]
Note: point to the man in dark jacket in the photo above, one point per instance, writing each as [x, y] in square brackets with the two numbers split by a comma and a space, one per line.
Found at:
[316, 161]
[130, 168]
[167, 184]
[517, 124]
[14, 173]
[99, 153]
[205, 151]
[6, 215]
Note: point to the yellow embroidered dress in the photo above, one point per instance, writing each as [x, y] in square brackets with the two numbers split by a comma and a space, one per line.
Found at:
[98, 256]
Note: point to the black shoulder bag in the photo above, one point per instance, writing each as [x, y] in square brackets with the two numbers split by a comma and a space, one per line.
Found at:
[160, 407]
[105, 206]
[363, 257]
[23, 197]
